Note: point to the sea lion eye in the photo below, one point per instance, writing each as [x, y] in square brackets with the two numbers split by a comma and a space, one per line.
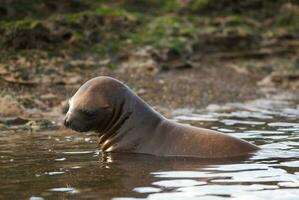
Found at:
[88, 113]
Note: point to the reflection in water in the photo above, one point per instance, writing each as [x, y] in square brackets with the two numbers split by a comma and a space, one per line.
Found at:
[63, 164]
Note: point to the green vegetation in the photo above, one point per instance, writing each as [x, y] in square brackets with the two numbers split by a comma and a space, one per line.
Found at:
[167, 31]
[104, 27]
[28, 22]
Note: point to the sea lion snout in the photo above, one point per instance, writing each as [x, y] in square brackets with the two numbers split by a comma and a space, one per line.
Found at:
[66, 122]
[76, 122]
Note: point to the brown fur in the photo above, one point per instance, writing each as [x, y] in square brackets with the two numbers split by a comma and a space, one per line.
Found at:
[125, 123]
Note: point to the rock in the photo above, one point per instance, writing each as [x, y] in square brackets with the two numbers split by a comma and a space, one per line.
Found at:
[61, 28]
[40, 124]
[120, 22]
[239, 69]
[35, 37]
[32, 102]
[73, 80]
[48, 97]
[140, 61]
[3, 70]
[14, 121]
[10, 107]
[176, 65]
[141, 91]
[18, 80]
[266, 82]
[14, 9]
[169, 59]
[287, 79]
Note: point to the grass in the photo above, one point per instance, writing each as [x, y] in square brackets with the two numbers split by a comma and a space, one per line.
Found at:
[162, 24]
[19, 23]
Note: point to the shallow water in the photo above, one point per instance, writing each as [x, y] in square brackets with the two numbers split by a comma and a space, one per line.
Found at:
[66, 165]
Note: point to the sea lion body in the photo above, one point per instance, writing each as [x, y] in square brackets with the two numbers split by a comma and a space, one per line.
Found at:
[126, 123]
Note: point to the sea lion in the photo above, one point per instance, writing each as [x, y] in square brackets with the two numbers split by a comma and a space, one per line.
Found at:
[126, 123]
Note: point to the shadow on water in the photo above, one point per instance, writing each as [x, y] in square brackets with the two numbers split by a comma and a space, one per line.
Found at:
[63, 164]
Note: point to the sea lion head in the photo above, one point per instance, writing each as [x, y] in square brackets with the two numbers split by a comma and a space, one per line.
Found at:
[95, 105]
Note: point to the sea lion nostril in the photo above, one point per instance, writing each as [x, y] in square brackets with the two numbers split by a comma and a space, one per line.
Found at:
[66, 122]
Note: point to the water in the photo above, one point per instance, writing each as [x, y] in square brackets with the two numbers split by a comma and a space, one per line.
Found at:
[61, 164]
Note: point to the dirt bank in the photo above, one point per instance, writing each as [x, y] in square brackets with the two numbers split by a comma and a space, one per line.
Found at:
[177, 54]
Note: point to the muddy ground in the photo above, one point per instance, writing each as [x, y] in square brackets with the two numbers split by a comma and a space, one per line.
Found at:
[205, 83]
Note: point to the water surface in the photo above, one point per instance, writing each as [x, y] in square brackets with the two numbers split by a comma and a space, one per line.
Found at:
[60, 164]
